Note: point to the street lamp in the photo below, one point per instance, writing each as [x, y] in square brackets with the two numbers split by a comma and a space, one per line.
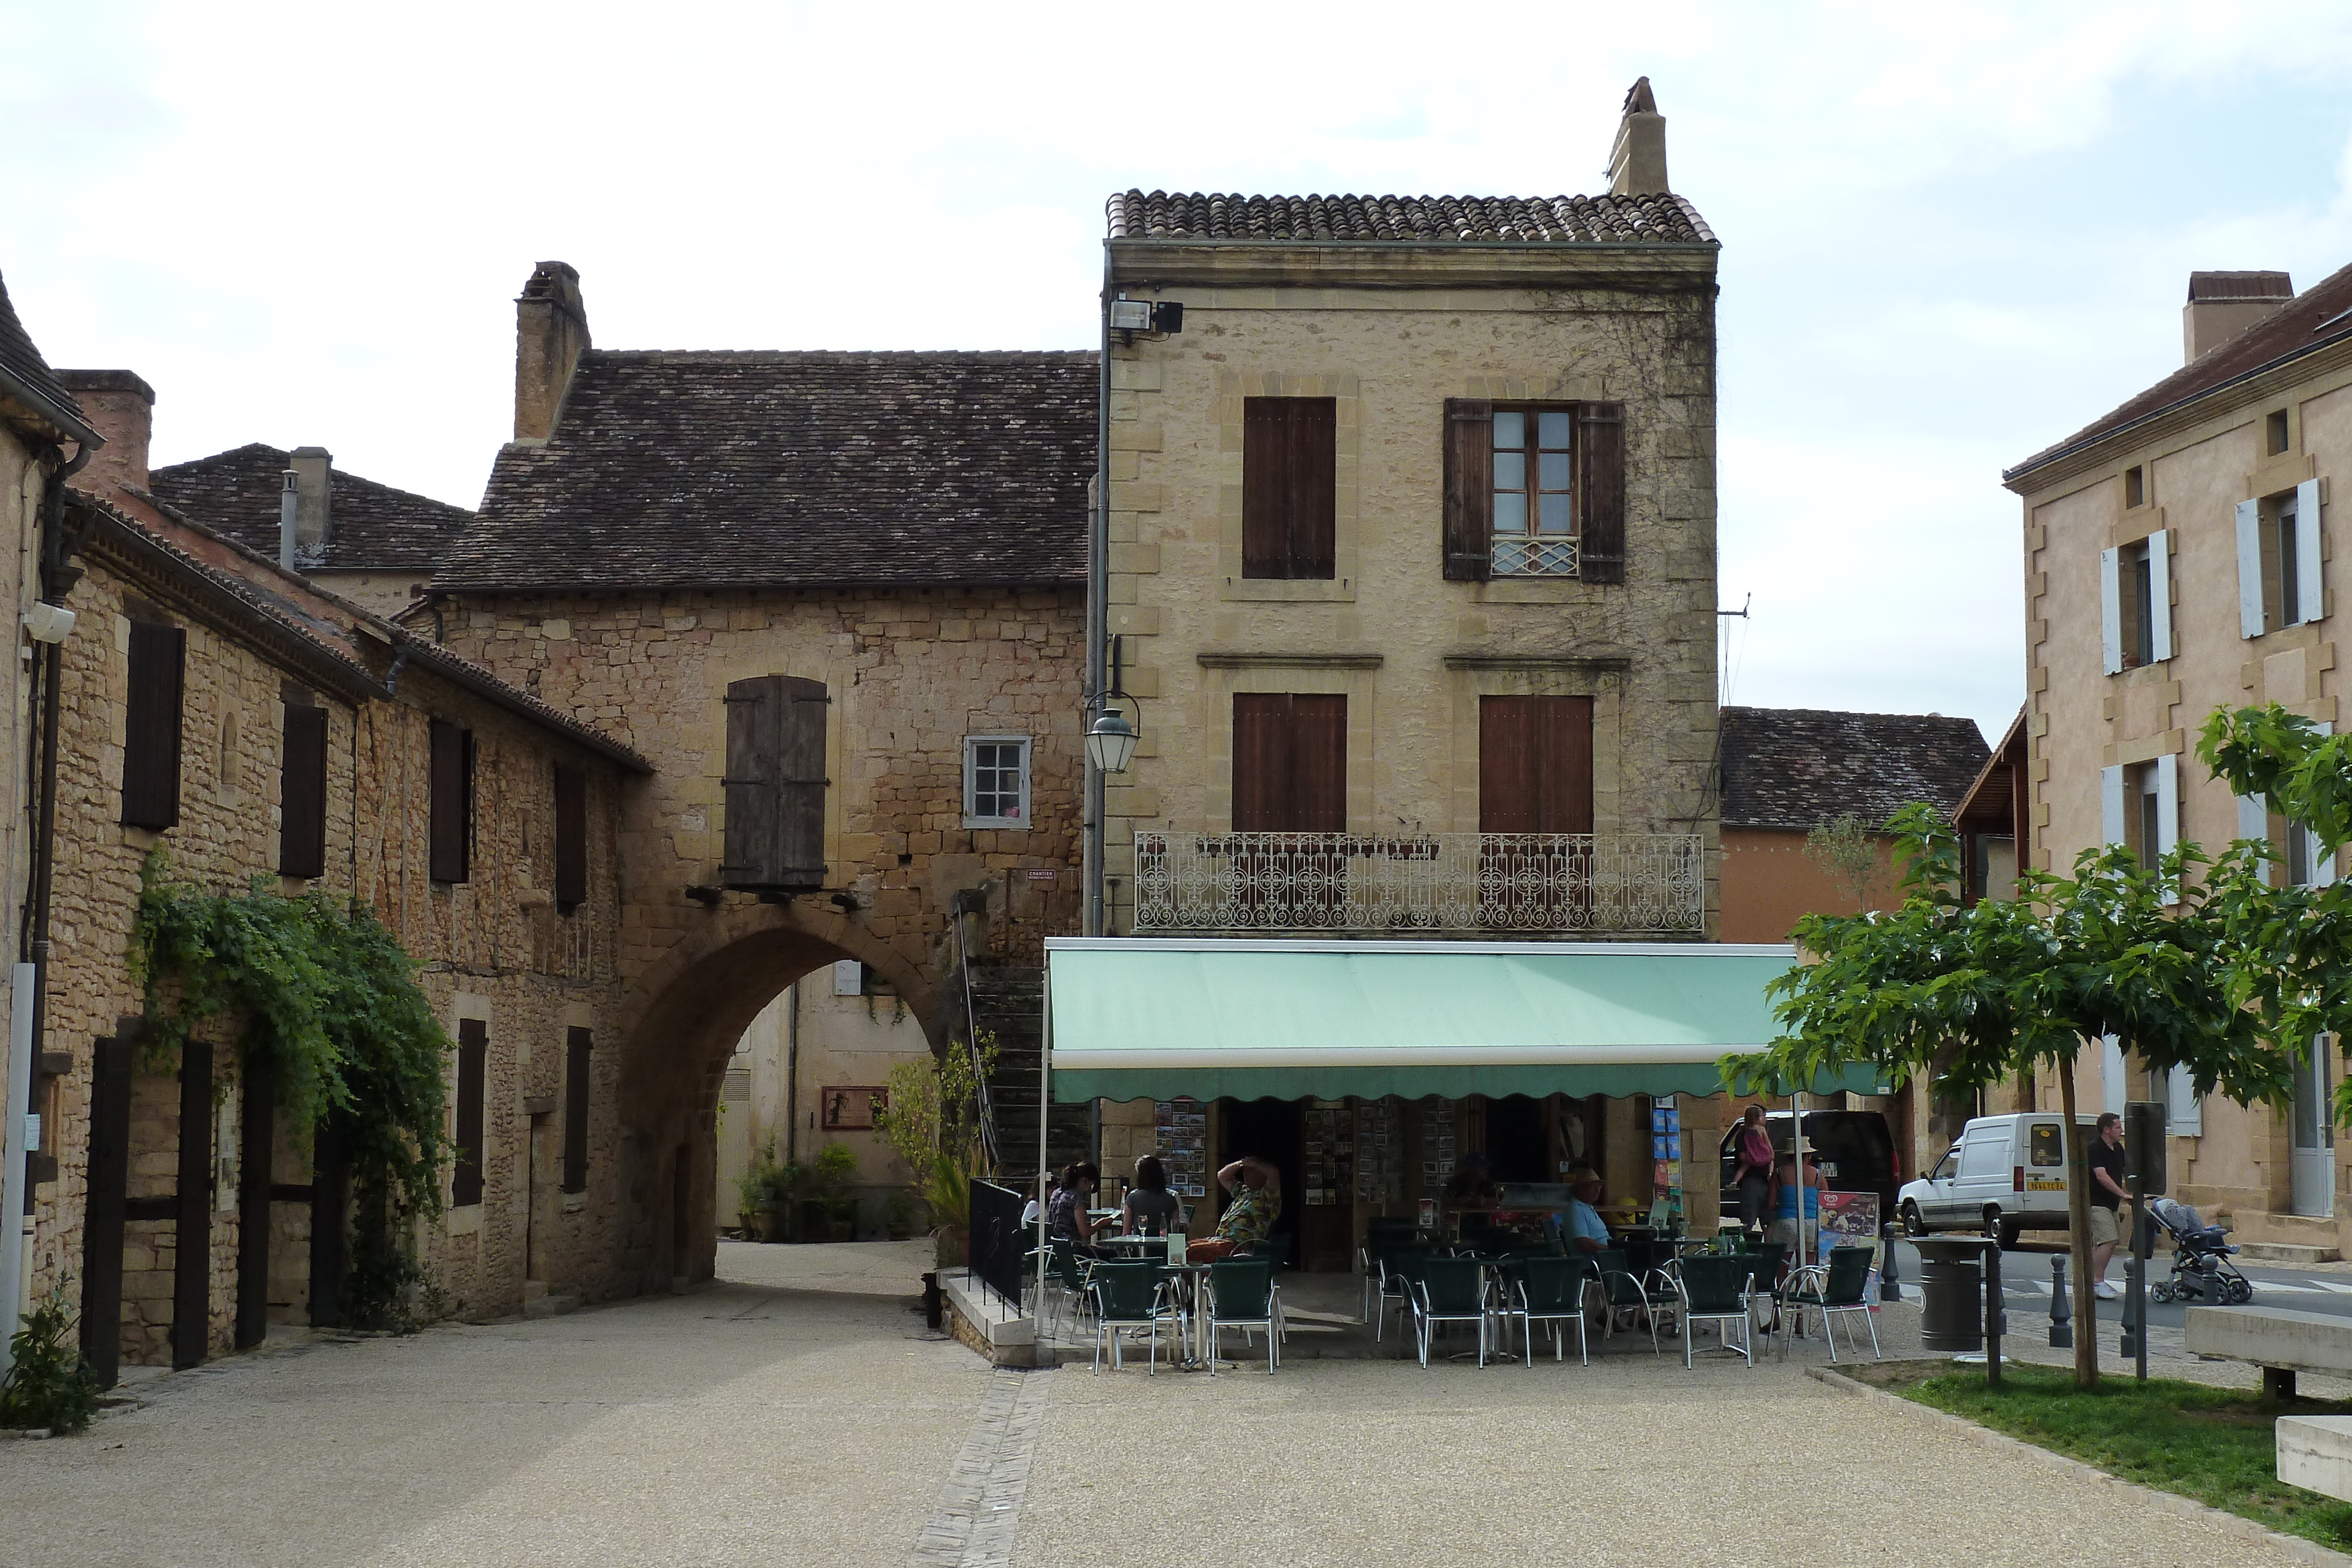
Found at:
[1110, 743]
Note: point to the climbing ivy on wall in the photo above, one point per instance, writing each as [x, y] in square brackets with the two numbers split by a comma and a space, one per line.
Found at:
[331, 1013]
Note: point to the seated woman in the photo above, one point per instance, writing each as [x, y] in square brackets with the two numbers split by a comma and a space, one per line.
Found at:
[1065, 1215]
[1150, 1208]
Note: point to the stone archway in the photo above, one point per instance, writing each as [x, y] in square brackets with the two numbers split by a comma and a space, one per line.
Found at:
[681, 1023]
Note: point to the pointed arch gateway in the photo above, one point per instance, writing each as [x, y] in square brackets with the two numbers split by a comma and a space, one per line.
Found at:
[680, 1026]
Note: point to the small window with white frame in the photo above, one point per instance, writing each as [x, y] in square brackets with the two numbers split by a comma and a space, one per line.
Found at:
[996, 781]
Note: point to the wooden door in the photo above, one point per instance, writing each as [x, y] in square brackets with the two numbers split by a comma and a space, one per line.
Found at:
[1535, 778]
[106, 1190]
[1290, 778]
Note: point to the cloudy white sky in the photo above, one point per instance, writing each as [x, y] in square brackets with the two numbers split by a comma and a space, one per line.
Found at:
[1951, 234]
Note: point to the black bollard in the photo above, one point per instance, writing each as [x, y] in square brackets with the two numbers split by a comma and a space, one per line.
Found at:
[2062, 1318]
[934, 1304]
[1890, 1281]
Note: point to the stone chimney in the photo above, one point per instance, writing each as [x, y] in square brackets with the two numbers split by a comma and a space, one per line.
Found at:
[314, 498]
[119, 406]
[1637, 163]
[2223, 304]
[550, 334]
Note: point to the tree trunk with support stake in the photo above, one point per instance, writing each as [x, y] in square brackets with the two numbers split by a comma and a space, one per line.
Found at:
[2078, 1233]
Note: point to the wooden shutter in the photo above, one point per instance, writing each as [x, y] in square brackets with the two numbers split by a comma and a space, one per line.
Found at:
[151, 741]
[2159, 592]
[1469, 500]
[257, 1146]
[2310, 594]
[1600, 479]
[2111, 610]
[2250, 569]
[570, 838]
[473, 1059]
[453, 802]
[577, 1045]
[105, 1185]
[1289, 486]
[776, 783]
[1535, 765]
[1290, 763]
[302, 794]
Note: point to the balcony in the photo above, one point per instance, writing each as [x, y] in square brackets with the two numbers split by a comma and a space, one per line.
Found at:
[1484, 883]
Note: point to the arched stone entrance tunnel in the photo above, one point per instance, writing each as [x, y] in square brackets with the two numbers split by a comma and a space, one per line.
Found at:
[680, 1024]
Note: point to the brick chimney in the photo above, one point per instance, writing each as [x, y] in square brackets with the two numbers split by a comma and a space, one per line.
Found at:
[1637, 163]
[2223, 304]
[119, 406]
[314, 498]
[550, 334]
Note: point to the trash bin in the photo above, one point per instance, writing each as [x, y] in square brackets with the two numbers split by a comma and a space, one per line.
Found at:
[1951, 1293]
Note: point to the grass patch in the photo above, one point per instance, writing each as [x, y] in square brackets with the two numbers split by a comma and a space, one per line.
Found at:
[2215, 1445]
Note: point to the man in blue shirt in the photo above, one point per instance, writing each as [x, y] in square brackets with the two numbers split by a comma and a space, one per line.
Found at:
[1581, 1227]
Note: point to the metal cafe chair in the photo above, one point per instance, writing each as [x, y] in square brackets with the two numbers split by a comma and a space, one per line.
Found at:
[1132, 1296]
[1399, 1266]
[1450, 1290]
[1243, 1294]
[1715, 1289]
[1645, 1295]
[1549, 1291]
[1833, 1291]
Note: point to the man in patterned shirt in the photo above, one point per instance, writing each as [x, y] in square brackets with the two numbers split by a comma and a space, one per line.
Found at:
[1256, 1188]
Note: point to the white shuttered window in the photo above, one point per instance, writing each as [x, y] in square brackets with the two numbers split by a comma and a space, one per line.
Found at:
[2250, 569]
[2184, 1112]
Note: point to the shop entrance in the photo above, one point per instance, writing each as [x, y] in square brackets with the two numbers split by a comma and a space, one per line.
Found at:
[1518, 1142]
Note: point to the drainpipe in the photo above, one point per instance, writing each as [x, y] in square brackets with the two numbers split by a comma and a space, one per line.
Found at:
[1098, 612]
[29, 982]
[791, 1071]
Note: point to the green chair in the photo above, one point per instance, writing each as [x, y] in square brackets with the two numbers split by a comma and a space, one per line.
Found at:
[1132, 1296]
[1549, 1290]
[1243, 1295]
[1645, 1296]
[1399, 1266]
[1715, 1289]
[1769, 1258]
[1063, 1268]
[1450, 1290]
[1835, 1290]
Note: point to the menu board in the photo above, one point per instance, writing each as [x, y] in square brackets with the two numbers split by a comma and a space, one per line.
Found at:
[1438, 1133]
[1848, 1220]
[1380, 1152]
[1181, 1131]
[1330, 1152]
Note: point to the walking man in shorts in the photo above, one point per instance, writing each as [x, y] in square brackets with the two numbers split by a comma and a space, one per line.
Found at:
[2108, 1168]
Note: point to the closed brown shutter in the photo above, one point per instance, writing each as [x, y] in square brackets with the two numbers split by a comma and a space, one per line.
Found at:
[1290, 763]
[776, 783]
[1535, 765]
[453, 802]
[1600, 476]
[473, 1061]
[1289, 486]
[302, 794]
[577, 1046]
[1469, 500]
[570, 838]
[151, 739]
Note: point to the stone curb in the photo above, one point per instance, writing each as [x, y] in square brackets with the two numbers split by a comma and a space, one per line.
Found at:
[2294, 1546]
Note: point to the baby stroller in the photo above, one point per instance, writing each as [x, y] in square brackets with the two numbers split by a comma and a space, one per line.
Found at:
[2201, 1270]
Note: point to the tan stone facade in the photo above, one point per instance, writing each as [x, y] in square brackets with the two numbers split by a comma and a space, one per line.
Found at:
[2112, 754]
[1390, 341]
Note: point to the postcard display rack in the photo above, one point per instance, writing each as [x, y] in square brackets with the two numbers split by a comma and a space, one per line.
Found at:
[1438, 1129]
[1666, 1154]
[1380, 1153]
[1180, 1127]
[1330, 1153]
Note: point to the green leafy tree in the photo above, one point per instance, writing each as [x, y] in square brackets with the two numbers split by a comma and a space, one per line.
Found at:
[1847, 849]
[933, 1123]
[1961, 996]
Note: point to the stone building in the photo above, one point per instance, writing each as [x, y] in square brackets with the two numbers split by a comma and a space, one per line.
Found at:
[2179, 559]
[839, 597]
[218, 709]
[1409, 580]
[360, 541]
[40, 421]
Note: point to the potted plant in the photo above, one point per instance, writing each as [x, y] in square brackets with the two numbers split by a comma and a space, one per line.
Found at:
[753, 1213]
[828, 1207]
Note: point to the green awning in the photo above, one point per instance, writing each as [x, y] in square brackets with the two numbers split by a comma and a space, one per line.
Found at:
[1159, 1019]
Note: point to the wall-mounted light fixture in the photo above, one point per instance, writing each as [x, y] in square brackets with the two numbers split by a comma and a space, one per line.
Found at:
[1154, 318]
[48, 622]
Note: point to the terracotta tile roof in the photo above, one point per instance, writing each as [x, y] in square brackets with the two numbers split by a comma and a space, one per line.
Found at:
[740, 470]
[1799, 768]
[1456, 220]
[2317, 317]
[371, 526]
[24, 373]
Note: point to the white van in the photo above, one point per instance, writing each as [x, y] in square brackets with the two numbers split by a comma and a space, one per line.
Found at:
[2006, 1174]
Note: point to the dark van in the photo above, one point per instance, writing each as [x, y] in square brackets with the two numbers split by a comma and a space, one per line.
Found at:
[1856, 1149]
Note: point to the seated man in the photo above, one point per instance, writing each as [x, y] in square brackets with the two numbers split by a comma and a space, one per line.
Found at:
[1580, 1227]
[1256, 1188]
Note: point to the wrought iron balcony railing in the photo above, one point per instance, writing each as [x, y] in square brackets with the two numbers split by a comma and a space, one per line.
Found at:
[1614, 883]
